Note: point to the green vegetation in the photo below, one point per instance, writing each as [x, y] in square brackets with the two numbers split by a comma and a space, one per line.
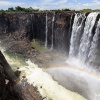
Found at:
[60, 10]
[19, 9]
[89, 10]
[85, 10]
[39, 47]
[30, 9]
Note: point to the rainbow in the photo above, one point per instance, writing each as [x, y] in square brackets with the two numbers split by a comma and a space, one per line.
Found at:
[72, 68]
[77, 80]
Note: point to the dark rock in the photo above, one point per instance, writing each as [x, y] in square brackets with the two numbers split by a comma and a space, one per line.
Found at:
[25, 26]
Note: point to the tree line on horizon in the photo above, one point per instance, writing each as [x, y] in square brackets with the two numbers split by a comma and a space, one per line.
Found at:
[30, 9]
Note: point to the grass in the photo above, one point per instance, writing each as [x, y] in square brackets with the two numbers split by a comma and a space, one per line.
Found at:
[39, 47]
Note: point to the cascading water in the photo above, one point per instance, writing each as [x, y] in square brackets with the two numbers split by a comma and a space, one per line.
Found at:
[94, 53]
[81, 40]
[46, 32]
[87, 36]
[85, 43]
[70, 23]
[72, 78]
[37, 77]
[77, 80]
[76, 34]
[53, 19]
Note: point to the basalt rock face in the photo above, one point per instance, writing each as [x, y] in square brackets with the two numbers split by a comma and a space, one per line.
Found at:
[33, 26]
[62, 32]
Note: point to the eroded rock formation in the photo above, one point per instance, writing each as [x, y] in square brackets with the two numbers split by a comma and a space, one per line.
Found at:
[13, 88]
[32, 26]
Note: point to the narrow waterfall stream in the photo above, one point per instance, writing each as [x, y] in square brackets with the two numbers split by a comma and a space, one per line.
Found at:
[53, 19]
[46, 31]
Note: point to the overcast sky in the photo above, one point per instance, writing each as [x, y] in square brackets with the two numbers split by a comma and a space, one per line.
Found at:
[51, 4]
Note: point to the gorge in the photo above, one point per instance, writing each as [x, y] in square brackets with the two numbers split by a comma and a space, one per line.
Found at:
[76, 35]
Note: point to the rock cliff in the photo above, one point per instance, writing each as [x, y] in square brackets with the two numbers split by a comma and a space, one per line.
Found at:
[29, 26]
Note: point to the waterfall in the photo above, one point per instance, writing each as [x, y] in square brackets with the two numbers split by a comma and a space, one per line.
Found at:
[53, 19]
[88, 56]
[70, 23]
[87, 36]
[85, 42]
[77, 30]
[94, 53]
[46, 32]
[40, 79]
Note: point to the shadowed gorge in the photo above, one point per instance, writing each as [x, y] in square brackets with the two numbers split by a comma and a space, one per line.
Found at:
[68, 41]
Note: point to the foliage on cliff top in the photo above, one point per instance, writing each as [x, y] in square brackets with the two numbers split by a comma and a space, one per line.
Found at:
[89, 10]
[30, 9]
[19, 9]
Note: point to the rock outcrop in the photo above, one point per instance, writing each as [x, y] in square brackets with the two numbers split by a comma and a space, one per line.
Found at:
[12, 87]
[32, 26]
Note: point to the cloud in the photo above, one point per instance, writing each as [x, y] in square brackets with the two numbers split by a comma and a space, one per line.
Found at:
[7, 3]
[97, 2]
[51, 4]
[86, 4]
[61, 4]
[75, 0]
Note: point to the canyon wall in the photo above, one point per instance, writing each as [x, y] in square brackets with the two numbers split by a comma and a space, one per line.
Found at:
[33, 26]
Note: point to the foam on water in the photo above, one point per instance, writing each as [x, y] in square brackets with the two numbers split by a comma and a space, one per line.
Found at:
[74, 79]
[77, 63]
[50, 88]
[84, 45]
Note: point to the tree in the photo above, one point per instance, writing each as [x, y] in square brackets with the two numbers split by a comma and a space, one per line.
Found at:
[66, 9]
[18, 8]
[11, 9]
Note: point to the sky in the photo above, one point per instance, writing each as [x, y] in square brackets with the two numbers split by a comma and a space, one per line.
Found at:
[51, 4]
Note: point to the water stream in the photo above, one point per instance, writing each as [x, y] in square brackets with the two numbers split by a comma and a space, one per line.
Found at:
[53, 19]
[46, 32]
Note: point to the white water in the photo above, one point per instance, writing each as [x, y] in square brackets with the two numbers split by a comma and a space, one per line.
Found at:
[46, 32]
[77, 29]
[87, 47]
[88, 52]
[87, 36]
[77, 80]
[52, 90]
[94, 53]
[70, 23]
[53, 19]
[37, 77]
